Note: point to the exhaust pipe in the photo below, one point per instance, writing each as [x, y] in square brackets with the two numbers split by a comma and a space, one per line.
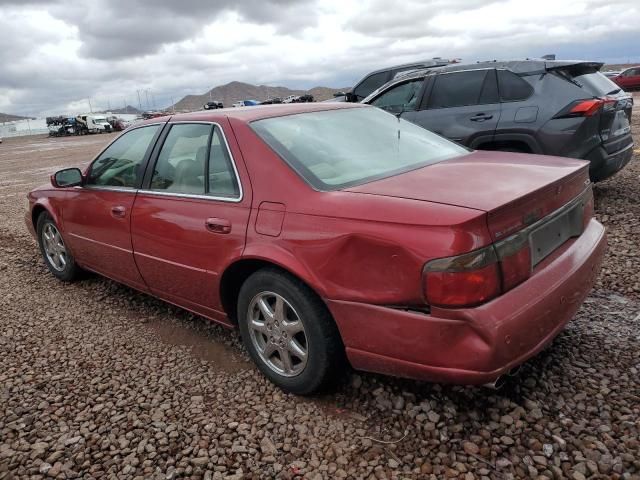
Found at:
[499, 382]
[515, 371]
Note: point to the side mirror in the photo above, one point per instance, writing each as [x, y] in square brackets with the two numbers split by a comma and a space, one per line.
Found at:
[350, 97]
[69, 177]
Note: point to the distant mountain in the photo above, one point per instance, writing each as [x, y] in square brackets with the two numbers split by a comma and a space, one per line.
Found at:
[235, 91]
[128, 109]
[7, 117]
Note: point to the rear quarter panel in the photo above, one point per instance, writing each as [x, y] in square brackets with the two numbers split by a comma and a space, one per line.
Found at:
[352, 246]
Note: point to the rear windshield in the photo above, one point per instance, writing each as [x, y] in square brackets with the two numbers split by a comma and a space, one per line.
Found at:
[339, 148]
[590, 80]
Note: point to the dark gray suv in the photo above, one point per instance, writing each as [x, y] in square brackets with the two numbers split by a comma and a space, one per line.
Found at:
[563, 108]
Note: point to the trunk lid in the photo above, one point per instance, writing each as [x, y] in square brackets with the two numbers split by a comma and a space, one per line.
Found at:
[515, 190]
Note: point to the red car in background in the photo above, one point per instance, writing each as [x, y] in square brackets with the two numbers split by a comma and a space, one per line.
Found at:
[332, 232]
[628, 79]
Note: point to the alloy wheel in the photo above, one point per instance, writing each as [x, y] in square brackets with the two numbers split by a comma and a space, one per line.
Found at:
[277, 333]
[54, 247]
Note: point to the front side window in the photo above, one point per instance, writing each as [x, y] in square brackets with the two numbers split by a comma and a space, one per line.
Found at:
[400, 98]
[339, 148]
[457, 89]
[122, 163]
[369, 84]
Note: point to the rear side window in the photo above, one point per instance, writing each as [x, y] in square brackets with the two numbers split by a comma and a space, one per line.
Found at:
[369, 84]
[512, 87]
[181, 163]
[458, 89]
[194, 160]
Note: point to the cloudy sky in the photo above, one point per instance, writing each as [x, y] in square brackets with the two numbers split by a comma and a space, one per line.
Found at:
[54, 55]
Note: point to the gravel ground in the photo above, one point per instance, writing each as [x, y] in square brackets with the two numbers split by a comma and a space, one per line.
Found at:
[99, 381]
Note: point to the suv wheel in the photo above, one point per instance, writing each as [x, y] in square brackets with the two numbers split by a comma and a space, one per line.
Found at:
[288, 332]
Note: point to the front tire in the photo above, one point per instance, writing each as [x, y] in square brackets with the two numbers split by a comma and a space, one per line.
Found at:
[289, 332]
[54, 251]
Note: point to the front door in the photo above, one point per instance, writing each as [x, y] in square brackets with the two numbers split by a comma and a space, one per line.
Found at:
[98, 218]
[461, 106]
[191, 218]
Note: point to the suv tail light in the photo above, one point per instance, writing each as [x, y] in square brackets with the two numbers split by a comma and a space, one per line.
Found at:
[586, 108]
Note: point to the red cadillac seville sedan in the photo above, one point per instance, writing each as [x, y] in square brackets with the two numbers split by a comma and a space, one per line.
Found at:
[331, 233]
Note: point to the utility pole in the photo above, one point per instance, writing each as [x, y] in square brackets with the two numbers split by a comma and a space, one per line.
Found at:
[146, 93]
[139, 102]
[90, 109]
[109, 104]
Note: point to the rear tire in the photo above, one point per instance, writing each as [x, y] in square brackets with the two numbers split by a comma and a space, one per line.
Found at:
[289, 333]
[54, 251]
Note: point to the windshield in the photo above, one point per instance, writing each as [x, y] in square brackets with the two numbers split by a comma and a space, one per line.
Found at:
[99, 119]
[339, 148]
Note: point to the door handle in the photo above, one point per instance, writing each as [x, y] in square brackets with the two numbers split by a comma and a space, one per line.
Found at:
[481, 117]
[218, 225]
[118, 211]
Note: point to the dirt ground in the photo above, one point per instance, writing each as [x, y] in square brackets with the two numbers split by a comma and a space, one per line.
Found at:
[100, 381]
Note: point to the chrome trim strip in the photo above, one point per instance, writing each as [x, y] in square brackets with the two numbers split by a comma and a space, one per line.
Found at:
[100, 243]
[110, 188]
[175, 264]
[160, 193]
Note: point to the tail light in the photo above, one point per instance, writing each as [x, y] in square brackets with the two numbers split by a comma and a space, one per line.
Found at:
[587, 108]
[479, 276]
[476, 277]
[463, 281]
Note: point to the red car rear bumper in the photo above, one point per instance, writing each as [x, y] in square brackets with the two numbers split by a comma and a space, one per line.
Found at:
[475, 345]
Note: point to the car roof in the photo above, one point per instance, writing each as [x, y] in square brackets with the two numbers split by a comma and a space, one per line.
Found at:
[432, 62]
[522, 67]
[250, 114]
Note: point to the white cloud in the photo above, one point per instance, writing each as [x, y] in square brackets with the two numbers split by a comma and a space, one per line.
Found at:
[56, 54]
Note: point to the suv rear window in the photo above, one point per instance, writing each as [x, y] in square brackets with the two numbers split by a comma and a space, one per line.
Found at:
[590, 80]
[457, 89]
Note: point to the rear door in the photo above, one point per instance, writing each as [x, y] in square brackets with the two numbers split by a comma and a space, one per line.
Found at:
[462, 106]
[190, 219]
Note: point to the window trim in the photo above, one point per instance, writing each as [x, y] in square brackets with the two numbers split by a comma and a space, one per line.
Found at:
[145, 160]
[145, 188]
